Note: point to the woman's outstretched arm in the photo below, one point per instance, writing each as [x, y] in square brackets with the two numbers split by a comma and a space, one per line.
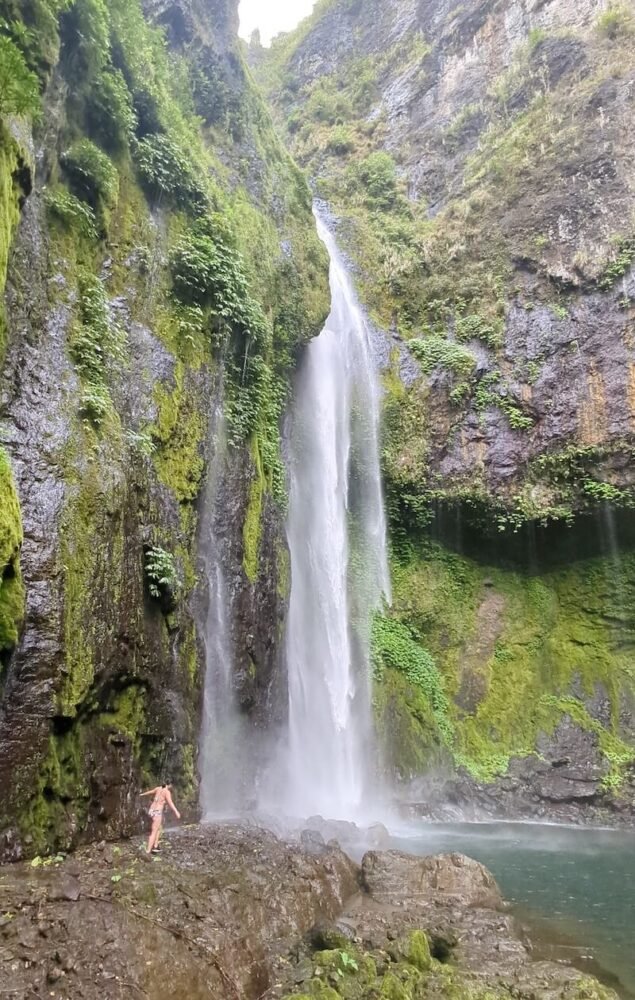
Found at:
[169, 801]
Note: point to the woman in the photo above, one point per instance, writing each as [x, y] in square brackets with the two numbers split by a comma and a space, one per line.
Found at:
[162, 798]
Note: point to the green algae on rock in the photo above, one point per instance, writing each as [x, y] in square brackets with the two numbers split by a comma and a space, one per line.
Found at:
[516, 660]
[11, 588]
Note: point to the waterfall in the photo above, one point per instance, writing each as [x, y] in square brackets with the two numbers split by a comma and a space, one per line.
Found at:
[339, 571]
[223, 762]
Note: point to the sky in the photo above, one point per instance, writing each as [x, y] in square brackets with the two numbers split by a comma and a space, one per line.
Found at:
[271, 16]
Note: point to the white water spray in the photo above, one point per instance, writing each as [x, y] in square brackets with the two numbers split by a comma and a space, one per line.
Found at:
[339, 569]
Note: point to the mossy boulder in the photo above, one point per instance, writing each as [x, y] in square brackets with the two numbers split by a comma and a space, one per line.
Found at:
[417, 951]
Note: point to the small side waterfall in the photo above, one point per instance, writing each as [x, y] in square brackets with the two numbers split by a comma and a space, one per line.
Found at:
[339, 570]
[222, 753]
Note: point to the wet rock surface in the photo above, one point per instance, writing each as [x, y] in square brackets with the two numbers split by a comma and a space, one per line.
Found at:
[208, 917]
[234, 912]
[470, 945]
[393, 876]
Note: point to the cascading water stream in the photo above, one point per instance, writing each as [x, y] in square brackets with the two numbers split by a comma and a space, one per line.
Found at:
[339, 569]
[223, 747]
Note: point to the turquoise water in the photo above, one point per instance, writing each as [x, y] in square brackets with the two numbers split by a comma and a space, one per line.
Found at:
[580, 882]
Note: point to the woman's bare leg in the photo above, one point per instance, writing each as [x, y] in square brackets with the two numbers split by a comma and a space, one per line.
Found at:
[154, 833]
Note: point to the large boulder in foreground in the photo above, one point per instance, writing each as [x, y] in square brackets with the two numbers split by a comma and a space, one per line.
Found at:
[221, 905]
[392, 876]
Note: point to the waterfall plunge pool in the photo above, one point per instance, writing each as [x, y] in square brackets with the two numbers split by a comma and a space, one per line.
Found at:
[572, 885]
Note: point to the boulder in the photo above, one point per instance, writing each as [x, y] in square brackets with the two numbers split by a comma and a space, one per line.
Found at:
[313, 842]
[391, 876]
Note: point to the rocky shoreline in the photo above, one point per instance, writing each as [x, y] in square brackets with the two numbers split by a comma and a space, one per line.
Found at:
[235, 913]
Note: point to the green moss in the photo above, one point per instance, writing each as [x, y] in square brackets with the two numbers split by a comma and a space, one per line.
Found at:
[48, 819]
[252, 527]
[518, 652]
[97, 348]
[283, 567]
[9, 214]
[127, 714]
[417, 951]
[406, 727]
[179, 432]
[410, 974]
[12, 597]
[19, 86]
[93, 178]
[394, 645]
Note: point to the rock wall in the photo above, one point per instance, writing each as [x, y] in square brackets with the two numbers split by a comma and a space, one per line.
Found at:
[480, 160]
[157, 243]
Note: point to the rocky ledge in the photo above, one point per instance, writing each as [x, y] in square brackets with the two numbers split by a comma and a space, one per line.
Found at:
[234, 913]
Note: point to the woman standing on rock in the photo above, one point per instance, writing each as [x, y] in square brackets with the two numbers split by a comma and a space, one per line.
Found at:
[162, 798]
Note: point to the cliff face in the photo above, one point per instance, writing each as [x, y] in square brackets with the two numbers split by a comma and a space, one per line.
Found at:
[156, 249]
[480, 159]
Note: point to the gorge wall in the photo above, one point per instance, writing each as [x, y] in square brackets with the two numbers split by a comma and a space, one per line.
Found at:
[157, 249]
[479, 158]
[158, 259]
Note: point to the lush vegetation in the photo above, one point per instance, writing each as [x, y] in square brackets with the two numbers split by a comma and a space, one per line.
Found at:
[182, 255]
[19, 87]
[96, 348]
[498, 653]
[161, 572]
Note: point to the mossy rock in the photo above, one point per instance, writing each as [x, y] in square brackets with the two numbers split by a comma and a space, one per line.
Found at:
[326, 937]
[417, 951]
[321, 992]
[393, 989]
[11, 589]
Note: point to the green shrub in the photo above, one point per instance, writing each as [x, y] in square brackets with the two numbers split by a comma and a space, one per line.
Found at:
[208, 272]
[111, 115]
[607, 493]
[86, 35]
[621, 263]
[166, 172]
[491, 391]
[33, 27]
[72, 212]
[616, 22]
[394, 645]
[19, 87]
[327, 105]
[377, 176]
[341, 141]
[96, 345]
[475, 326]
[161, 573]
[92, 176]
[214, 99]
[437, 352]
